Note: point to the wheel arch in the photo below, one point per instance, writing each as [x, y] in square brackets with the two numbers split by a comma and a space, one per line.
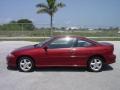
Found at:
[97, 55]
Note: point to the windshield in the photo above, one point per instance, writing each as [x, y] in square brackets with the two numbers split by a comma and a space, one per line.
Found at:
[43, 42]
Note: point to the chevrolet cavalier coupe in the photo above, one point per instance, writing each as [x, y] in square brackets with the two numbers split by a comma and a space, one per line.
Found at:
[63, 51]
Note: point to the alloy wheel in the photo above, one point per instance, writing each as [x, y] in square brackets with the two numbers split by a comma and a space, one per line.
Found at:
[95, 64]
[25, 64]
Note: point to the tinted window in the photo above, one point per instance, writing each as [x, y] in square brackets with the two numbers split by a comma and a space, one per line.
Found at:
[62, 43]
[44, 42]
[82, 43]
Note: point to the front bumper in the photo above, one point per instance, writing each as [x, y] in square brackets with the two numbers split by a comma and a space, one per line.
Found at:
[11, 60]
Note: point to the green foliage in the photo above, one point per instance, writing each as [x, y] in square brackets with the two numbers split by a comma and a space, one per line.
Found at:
[26, 24]
[24, 21]
[22, 24]
[10, 26]
[46, 33]
[50, 8]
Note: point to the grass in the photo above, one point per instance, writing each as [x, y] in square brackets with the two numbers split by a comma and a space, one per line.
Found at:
[46, 33]
[42, 33]
[42, 39]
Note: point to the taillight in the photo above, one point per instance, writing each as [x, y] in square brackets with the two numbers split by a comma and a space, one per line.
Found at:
[112, 48]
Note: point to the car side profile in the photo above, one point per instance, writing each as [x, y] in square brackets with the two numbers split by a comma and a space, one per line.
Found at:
[63, 51]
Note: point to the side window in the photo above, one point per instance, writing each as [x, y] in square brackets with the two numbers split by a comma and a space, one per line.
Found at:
[82, 43]
[66, 42]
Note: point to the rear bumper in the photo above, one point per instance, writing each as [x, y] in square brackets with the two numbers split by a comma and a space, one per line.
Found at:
[110, 59]
[11, 61]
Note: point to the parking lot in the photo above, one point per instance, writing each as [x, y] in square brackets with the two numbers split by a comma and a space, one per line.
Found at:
[57, 78]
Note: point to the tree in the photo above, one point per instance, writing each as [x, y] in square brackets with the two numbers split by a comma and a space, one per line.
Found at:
[13, 22]
[50, 8]
[26, 24]
[23, 24]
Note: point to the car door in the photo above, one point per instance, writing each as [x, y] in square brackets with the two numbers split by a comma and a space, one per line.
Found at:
[81, 51]
[58, 51]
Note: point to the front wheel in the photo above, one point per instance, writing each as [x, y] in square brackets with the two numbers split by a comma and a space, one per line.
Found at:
[25, 64]
[95, 64]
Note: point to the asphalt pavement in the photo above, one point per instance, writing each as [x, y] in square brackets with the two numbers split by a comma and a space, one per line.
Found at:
[57, 78]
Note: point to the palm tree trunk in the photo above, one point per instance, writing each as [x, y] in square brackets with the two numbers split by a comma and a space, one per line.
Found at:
[51, 21]
[51, 24]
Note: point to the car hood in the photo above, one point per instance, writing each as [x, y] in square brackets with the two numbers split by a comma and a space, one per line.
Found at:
[24, 48]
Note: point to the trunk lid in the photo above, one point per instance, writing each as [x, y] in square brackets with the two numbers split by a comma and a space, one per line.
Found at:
[105, 43]
[109, 45]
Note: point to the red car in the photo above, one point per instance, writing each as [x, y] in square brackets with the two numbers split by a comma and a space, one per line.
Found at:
[63, 51]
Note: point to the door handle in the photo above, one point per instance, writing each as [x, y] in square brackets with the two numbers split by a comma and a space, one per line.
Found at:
[72, 50]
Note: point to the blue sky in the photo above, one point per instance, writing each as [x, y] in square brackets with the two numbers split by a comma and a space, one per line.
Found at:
[84, 13]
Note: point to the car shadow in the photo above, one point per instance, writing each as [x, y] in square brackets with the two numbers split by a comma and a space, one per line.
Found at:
[107, 68]
[61, 69]
[70, 69]
[12, 68]
[64, 69]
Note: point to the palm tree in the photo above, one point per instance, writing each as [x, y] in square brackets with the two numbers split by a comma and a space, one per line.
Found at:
[50, 8]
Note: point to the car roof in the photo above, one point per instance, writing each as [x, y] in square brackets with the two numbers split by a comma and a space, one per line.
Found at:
[59, 36]
[78, 37]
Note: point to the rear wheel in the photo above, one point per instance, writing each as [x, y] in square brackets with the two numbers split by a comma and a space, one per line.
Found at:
[95, 64]
[25, 64]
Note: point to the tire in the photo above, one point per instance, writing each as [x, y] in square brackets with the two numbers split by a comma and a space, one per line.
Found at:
[25, 64]
[95, 64]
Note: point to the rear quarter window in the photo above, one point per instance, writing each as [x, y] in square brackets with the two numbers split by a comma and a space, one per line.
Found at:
[83, 43]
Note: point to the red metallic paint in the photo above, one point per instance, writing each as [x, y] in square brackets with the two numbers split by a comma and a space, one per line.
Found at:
[74, 56]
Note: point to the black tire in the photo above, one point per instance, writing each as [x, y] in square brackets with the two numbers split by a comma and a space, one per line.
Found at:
[95, 64]
[25, 64]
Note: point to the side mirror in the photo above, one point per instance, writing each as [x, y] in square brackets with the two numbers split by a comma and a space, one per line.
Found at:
[45, 48]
